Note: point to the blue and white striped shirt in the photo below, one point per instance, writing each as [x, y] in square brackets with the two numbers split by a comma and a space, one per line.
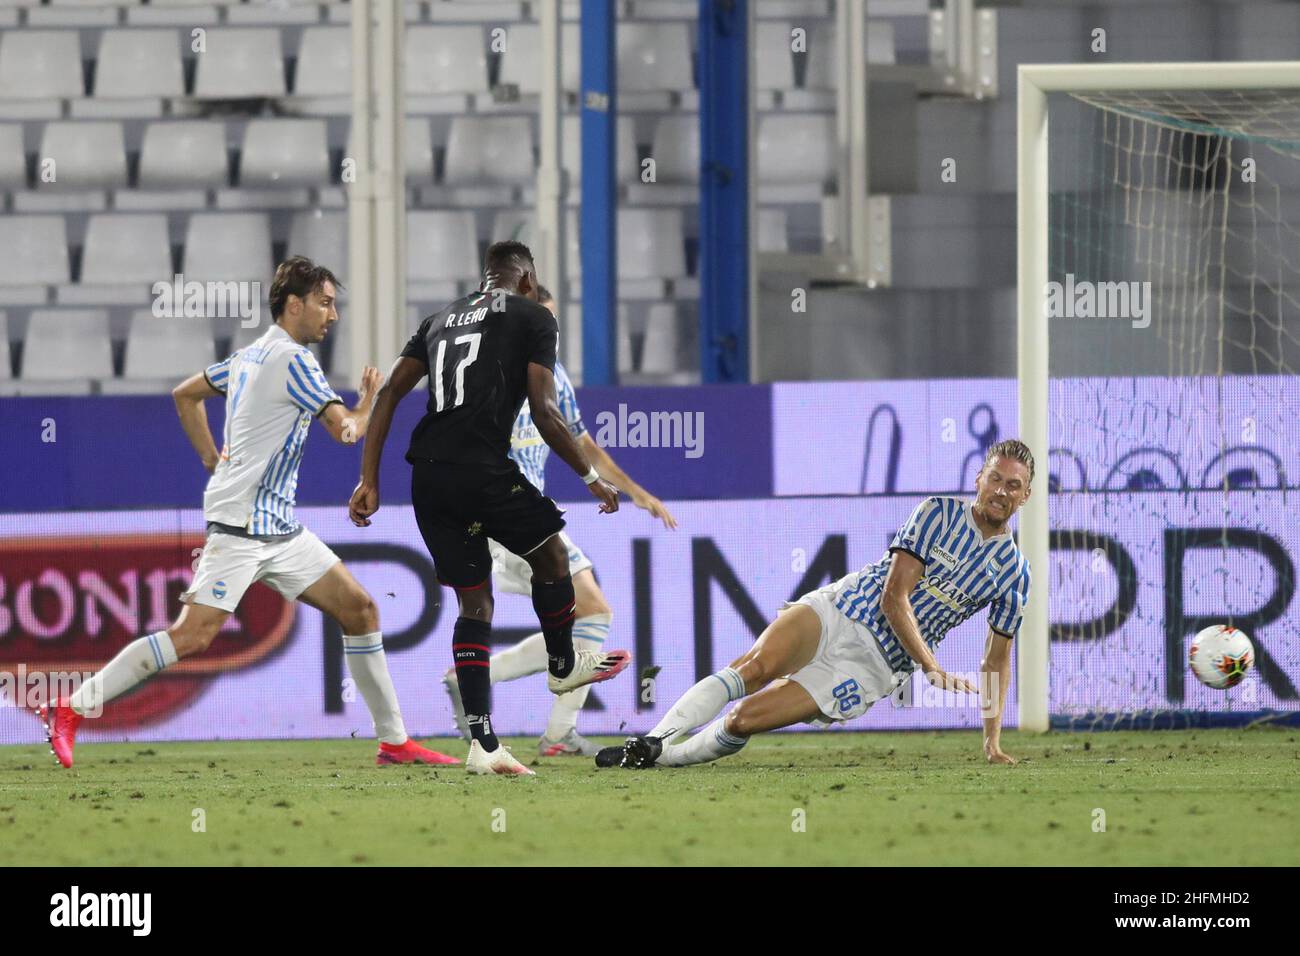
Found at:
[963, 573]
[527, 447]
[273, 389]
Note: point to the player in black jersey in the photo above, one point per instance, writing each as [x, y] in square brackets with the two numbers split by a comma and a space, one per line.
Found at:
[484, 354]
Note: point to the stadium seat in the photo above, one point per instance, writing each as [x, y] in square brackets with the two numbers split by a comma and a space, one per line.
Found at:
[87, 155]
[489, 150]
[660, 345]
[13, 162]
[284, 152]
[67, 346]
[650, 249]
[322, 237]
[6, 370]
[441, 253]
[488, 11]
[79, 160]
[124, 255]
[240, 63]
[443, 66]
[124, 247]
[39, 65]
[162, 351]
[773, 58]
[521, 61]
[179, 162]
[323, 83]
[654, 60]
[418, 149]
[676, 149]
[139, 64]
[796, 157]
[34, 250]
[224, 246]
[772, 231]
[626, 168]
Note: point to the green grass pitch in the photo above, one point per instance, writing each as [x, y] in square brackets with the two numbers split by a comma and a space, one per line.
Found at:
[1223, 797]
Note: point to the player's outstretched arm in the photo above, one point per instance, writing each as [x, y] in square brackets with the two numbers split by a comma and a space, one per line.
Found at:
[348, 425]
[551, 426]
[905, 572]
[616, 476]
[403, 376]
[189, 396]
[995, 675]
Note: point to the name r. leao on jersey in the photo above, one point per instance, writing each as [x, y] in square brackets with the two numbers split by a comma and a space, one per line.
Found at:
[465, 318]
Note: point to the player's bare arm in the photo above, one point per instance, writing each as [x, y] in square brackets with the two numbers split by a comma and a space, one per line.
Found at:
[403, 376]
[616, 476]
[550, 425]
[189, 397]
[905, 572]
[348, 425]
[995, 675]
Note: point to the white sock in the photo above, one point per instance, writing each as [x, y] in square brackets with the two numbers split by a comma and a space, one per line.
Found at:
[369, 668]
[702, 702]
[526, 657]
[589, 634]
[709, 744]
[133, 665]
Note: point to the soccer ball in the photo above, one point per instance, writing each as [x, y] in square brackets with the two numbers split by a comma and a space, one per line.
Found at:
[1221, 656]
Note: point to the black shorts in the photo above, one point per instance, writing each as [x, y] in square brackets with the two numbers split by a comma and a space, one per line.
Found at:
[458, 507]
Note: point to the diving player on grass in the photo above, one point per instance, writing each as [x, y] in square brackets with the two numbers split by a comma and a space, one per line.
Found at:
[273, 389]
[511, 573]
[483, 355]
[830, 655]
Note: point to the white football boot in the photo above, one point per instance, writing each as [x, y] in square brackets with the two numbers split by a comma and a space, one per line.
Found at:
[500, 761]
[589, 667]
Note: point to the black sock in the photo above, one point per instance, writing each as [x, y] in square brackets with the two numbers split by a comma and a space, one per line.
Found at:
[469, 649]
[553, 603]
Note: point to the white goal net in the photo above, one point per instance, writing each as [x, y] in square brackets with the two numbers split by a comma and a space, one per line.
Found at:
[1174, 408]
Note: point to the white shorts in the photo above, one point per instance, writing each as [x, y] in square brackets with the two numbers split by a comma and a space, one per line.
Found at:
[512, 573]
[230, 564]
[848, 673]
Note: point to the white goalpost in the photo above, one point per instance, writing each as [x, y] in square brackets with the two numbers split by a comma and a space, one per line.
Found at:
[1162, 198]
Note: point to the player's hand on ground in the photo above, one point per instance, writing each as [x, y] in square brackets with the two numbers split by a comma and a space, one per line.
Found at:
[606, 494]
[648, 502]
[945, 681]
[371, 381]
[994, 753]
[363, 503]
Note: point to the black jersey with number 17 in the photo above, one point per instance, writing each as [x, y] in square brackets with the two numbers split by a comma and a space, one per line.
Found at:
[477, 351]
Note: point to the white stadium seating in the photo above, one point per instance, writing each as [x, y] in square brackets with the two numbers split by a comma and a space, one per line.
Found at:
[139, 64]
[13, 164]
[184, 154]
[162, 351]
[321, 236]
[284, 152]
[67, 347]
[222, 246]
[34, 250]
[441, 253]
[240, 63]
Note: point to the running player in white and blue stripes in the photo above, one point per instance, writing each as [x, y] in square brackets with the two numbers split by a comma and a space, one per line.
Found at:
[592, 614]
[830, 655]
[273, 389]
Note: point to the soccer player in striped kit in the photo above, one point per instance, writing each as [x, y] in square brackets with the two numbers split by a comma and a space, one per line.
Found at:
[273, 389]
[512, 573]
[834, 652]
